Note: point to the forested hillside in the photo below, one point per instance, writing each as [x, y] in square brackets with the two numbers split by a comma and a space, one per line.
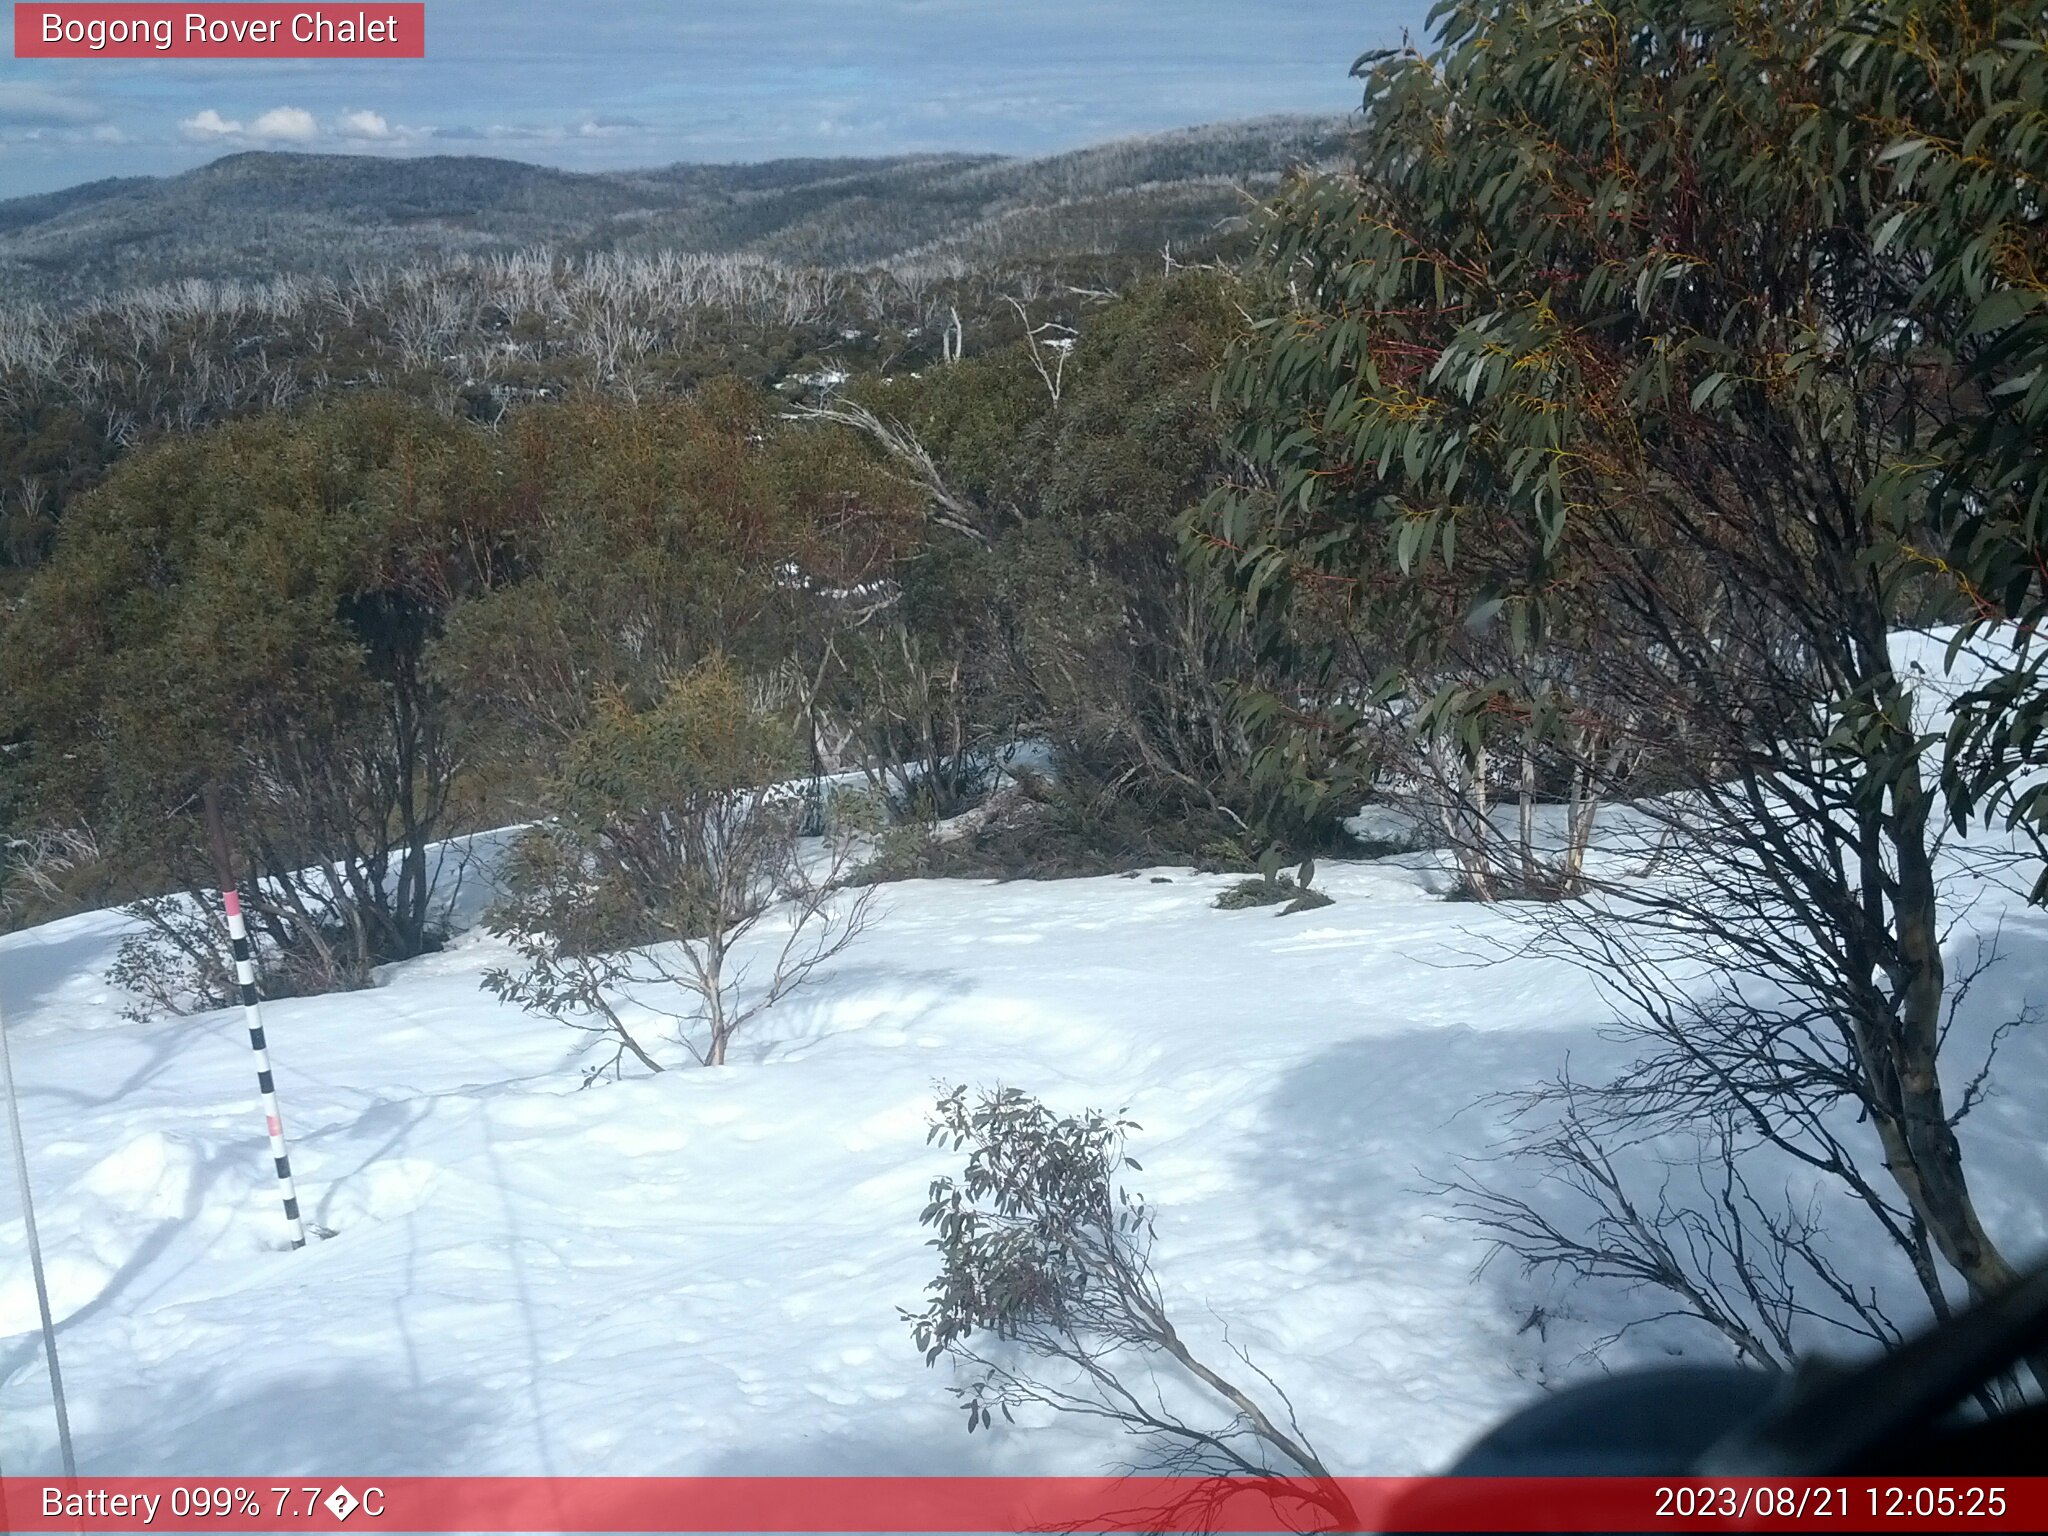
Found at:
[262, 215]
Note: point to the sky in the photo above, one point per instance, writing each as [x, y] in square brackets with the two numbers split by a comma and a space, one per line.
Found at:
[618, 83]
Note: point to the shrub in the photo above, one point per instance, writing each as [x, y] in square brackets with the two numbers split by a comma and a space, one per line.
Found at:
[1045, 1252]
[241, 619]
[672, 842]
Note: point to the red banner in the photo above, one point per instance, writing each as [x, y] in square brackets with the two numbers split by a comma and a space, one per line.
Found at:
[221, 31]
[1020, 1504]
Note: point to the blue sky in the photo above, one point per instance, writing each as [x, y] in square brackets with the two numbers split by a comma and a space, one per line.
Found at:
[611, 83]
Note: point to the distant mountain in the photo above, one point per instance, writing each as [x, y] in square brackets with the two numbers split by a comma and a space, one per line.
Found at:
[257, 215]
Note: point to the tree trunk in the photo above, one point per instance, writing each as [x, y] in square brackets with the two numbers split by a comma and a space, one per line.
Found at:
[1528, 818]
[217, 839]
[1920, 1144]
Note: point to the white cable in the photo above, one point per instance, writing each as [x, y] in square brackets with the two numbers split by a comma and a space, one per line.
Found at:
[35, 1251]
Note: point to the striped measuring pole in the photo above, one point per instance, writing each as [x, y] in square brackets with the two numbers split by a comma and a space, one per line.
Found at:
[273, 1120]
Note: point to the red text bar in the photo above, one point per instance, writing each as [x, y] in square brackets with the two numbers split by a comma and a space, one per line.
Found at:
[1020, 1504]
[221, 31]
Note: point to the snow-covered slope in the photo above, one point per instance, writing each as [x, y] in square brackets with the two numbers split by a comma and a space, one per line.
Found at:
[700, 1272]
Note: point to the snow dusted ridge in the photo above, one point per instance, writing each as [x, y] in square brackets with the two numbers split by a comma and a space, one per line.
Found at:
[700, 1273]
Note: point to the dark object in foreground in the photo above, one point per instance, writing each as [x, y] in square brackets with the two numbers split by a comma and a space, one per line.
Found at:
[1912, 1413]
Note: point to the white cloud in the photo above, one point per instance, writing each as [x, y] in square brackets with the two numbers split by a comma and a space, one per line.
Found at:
[605, 126]
[297, 126]
[21, 102]
[209, 124]
[280, 125]
[294, 123]
[364, 125]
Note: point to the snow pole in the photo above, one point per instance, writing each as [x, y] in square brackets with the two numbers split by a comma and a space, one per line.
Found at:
[252, 1015]
[35, 1253]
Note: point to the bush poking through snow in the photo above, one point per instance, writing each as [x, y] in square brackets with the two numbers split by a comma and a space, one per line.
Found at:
[1281, 892]
[1290, 893]
[183, 962]
[1258, 891]
[1043, 1250]
[180, 965]
[672, 847]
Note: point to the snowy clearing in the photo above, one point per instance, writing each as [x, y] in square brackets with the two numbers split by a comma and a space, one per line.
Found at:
[701, 1272]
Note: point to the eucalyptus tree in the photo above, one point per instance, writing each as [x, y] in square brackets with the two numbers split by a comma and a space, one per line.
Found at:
[1637, 380]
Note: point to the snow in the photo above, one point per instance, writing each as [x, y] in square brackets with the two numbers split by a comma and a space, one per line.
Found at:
[701, 1272]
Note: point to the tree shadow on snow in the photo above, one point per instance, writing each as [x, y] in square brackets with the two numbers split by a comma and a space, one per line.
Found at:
[306, 1420]
[1356, 1143]
[1353, 1149]
[2003, 1147]
[170, 1042]
[1351, 1140]
[140, 1265]
[843, 1002]
[35, 966]
[944, 1451]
